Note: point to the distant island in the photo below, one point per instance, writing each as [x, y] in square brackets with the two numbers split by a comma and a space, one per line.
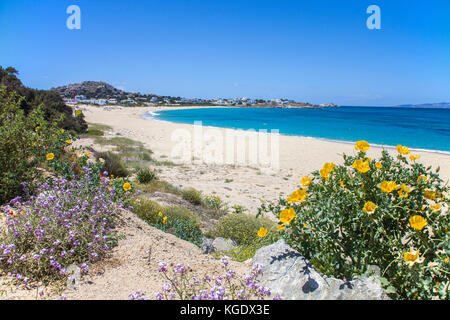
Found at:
[440, 105]
[101, 93]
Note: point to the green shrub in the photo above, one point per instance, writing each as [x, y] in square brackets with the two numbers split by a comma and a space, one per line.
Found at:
[147, 210]
[183, 229]
[24, 142]
[145, 175]
[391, 213]
[113, 164]
[214, 202]
[180, 221]
[242, 228]
[181, 213]
[247, 251]
[192, 195]
[94, 132]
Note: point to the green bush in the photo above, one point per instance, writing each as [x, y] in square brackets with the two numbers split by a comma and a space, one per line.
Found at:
[147, 210]
[182, 222]
[94, 132]
[192, 195]
[180, 213]
[391, 213]
[242, 228]
[145, 175]
[214, 202]
[113, 164]
[183, 229]
[24, 142]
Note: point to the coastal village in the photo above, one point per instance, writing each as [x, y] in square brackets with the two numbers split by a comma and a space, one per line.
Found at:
[101, 94]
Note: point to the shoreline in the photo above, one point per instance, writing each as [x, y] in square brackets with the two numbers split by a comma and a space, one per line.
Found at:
[375, 145]
[243, 184]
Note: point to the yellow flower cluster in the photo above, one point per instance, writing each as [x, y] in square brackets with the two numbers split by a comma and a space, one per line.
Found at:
[403, 150]
[326, 170]
[361, 166]
[297, 196]
[362, 145]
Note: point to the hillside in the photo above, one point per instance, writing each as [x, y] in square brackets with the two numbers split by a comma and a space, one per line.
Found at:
[53, 105]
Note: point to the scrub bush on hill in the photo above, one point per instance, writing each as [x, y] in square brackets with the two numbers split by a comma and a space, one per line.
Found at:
[391, 213]
[242, 228]
[24, 140]
[181, 221]
[53, 106]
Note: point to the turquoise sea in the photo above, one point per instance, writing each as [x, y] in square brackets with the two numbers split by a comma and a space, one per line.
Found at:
[416, 128]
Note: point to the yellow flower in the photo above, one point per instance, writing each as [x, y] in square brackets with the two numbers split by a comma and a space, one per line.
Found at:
[417, 222]
[78, 113]
[446, 259]
[306, 181]
[86, 154]
[412, 257]
[361, 166]
[281, 227]
[262, 232]
[306, 226]
[127, 186]
[362, 145]
[37, 128]
[287, 215]
[62, 130]
[342, 184]
[403, 150]
[297, 196]
[378, 165]
[370, 207]
[388, 186]
[327, 169]
[69, 141]
[109, 189]
[436, 207]
[424, 178]
[50, 156]
[429, 194]
[404, 192]
[160, 214]
[164, 220]
[414, 157]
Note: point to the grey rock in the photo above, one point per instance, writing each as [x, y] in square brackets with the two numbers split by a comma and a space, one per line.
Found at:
[289, 275]
[207, 246]
[223, 245]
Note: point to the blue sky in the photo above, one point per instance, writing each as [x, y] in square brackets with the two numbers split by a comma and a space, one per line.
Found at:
[314, 51]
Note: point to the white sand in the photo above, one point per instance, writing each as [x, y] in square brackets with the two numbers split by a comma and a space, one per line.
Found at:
[299, 156]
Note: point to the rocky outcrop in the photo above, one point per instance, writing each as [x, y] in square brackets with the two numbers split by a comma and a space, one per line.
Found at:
[290, 275]
[218, 245]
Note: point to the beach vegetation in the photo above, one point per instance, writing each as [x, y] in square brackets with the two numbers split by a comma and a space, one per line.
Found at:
[192, 195]
[390, 212]
[113, 164]
[27, 143]
[145, 175]
[243, 228]
[180, 221]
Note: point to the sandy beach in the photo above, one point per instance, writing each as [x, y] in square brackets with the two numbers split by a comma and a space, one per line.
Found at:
[243, 184]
